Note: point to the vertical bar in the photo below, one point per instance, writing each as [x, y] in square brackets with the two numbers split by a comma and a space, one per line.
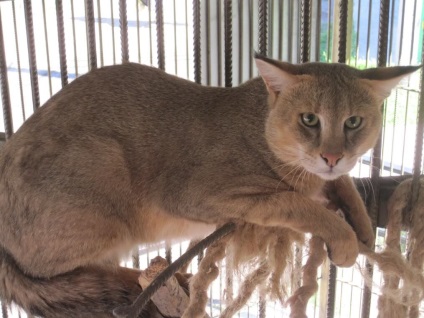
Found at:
[168, 253]
[343, 10]
[241, 33]
[372, 204]
[392, 14]
[329, 31]
[61, 41]
[318, 32]
[296, 33]
[123, 24]
[18, 59]
[4, 310]
[175, 39]
[187, 42]
[402, 23]
[290, 31]
[393, 132]
[5, 93]
[228, 55]
[137, 8]
[270, 33]
[31, 54]
[280, 29]
[219, 45]
[46, 39]
[99, 22]
[197, 42]
[418, 141]
[208, 43]
[342, 32]
[159, 34]
[74, 38]
[358, 21]
[136, 258]
[229, 283]
[228, 43]
[92, 54]
[250, 10]
[305, 30]
[383, 33]
[263, 26]
[402, 164]
[150, 34]
[331, 295]
[369, 32]
[413, 33]
[113, 32]
[262, 306]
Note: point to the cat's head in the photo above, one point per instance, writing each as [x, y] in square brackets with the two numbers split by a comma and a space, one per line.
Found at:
[323, 117]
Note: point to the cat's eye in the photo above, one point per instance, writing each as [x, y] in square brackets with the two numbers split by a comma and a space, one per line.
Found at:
[309, 119]
[353, 122]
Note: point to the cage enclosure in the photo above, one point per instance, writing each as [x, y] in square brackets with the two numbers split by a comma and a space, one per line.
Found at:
[45, 44]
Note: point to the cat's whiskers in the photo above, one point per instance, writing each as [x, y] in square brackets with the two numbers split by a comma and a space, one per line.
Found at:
[293, 173]
[371, 187]
[300, 177]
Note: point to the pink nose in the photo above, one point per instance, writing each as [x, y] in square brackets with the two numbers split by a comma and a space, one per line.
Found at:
[331, 159]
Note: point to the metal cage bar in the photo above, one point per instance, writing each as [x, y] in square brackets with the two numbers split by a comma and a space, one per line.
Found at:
[4, 310]
[74, 37]
[263, 26]
[343, 17]
[18, 61]
[61, 42]
[31, 54]
[46, 39]
[228, 43]
[5, 93]
[342, 32]
[376, 164]
[305, 30]
[123, 24]
[91, 34]
[160, 35]
[99, 24]
[197, 42]
[418, 140]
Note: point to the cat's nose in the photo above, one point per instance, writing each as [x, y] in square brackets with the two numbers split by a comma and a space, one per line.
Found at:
[331, 159]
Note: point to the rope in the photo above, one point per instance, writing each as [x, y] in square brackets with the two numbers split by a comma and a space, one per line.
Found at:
[138, 305]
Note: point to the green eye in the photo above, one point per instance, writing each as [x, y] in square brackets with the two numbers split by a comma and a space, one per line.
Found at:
[309, 119]
[353, 122]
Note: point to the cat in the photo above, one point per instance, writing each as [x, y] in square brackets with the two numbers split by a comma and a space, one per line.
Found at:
[128, 154]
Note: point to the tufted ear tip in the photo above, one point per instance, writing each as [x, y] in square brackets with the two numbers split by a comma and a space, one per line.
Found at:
[383, 80]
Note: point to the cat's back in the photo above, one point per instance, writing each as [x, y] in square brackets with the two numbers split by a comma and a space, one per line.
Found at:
[129, 111]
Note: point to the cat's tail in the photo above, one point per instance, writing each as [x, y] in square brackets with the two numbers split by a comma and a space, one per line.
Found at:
[83, 292]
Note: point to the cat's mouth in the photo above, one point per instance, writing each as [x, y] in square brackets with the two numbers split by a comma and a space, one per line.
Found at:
[330, 174]
[326, 172]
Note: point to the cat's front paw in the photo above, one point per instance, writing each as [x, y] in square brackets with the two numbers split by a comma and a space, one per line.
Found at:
[343, 250]
[361, 223]
[365, 234]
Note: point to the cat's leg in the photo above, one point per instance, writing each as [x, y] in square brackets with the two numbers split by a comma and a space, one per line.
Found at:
[295, 211]
[343, 191]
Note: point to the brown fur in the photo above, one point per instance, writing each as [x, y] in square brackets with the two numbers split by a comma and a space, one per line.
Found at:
[128, 154]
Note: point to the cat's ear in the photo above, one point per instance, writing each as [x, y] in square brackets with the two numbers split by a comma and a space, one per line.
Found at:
[383, 80]
[278, 76]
